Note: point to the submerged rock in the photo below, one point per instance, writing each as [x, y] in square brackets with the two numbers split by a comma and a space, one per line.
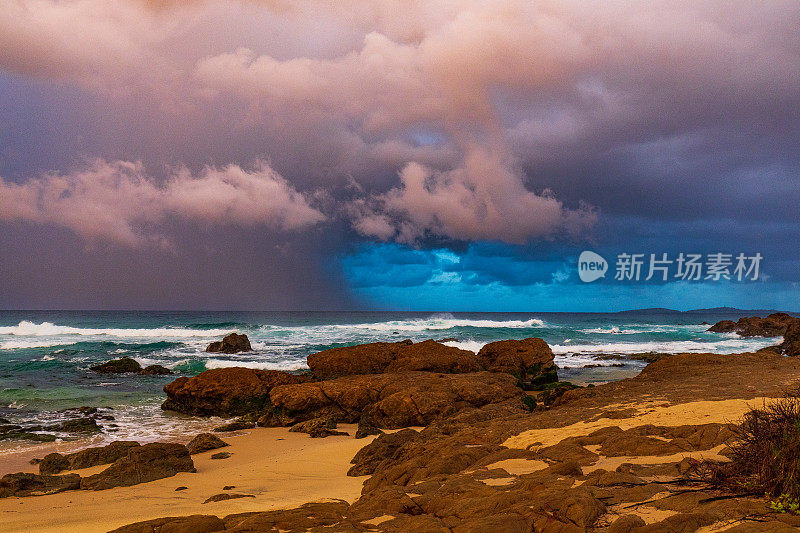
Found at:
[205, 442]
[142, 464]
[232, 343]
[226, 391]
[155, 370]
[118, 366]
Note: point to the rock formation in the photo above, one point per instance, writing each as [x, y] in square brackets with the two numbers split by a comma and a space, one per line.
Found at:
[232, 343]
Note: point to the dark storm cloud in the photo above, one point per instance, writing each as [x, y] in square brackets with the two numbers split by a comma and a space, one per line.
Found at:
[549, 125]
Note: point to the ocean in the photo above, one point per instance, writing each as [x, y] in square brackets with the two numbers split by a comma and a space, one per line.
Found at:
[45, 355]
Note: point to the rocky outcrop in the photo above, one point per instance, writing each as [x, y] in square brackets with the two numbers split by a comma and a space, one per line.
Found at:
[529, 359]
[226, 391]
[205, 442]
[394, 400]
[55, 462]
[24, 484]
[142, 464]
[773, 325]
[176, 524]
[791, 340]
[232, 343]
[317, 428]
[122, 365]
[381, 357]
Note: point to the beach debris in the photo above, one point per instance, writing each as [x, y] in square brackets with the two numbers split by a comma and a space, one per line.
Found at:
[222, 496]
[204, 442]
[232, 343]
[142, 464]
[55, 462]
[25, 484]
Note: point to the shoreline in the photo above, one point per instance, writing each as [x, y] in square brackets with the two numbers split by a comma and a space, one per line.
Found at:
[281, 469]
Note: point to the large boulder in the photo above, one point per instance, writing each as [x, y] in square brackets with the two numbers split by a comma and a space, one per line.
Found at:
[394, 400]
[176, 524]
[226, 391]
[24, 484]
[773, 325]
[142, 464]
[55, 462]
[232, 343]
[530, 359]
[380, 357]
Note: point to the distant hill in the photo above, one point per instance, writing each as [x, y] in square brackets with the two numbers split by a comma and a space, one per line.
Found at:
[709, 311]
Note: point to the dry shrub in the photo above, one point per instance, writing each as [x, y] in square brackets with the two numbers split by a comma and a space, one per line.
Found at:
[764, 455]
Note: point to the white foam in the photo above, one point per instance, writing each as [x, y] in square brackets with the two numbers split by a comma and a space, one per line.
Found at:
[696, 346]
[48, 329]
[258, 365]
[472, 346]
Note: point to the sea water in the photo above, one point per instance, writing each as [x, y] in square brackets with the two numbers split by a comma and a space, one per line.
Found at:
[45, 356]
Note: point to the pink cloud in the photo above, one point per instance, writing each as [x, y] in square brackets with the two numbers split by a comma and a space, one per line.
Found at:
[117, 201]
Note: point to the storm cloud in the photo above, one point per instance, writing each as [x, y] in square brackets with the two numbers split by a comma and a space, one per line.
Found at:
[518, 122]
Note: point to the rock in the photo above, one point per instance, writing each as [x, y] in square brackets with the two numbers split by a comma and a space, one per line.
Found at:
[530, 359]
[236, 425]
[79, 425]
[182, 487]
[773, 325]
[317, 427]
[155, 370]
[222, 496]
[365, 429]
[204, 442]
[221, 455]
[176, 524]
[626, 524]
[17, 433]
[383, 448]
[723, 326]
[226, 391]
[394, 400]
[791, 340]
[142, 464]
[228, 487]
[118, 366]
[24, 484]
[271, 419]
[380, 357]
[53, 463]
[232, 343]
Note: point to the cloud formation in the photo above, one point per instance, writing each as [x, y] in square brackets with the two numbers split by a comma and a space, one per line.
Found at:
[117, 201]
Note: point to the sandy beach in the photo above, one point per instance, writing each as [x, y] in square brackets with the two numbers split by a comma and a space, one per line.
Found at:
[281, 469]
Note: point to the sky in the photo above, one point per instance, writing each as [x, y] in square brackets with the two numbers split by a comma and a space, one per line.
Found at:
[431, 155]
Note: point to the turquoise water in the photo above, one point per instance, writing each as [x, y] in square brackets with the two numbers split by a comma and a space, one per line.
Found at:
[45, 356]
